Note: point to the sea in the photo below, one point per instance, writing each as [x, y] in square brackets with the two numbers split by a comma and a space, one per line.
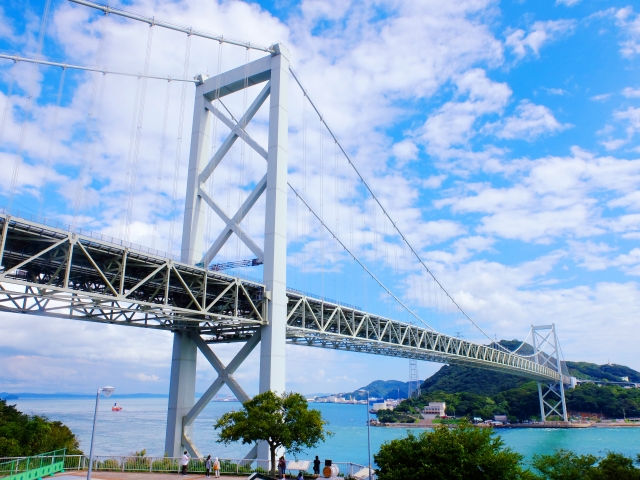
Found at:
[141, 425]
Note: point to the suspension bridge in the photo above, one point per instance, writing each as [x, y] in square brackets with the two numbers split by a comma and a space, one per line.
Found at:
[53, 269]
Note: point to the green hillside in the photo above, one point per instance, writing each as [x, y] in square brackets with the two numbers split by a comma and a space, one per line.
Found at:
[387, 389]
[610, 373]
[474, 392]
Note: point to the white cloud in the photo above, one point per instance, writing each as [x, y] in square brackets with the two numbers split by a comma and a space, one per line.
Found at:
[143, 377]
[555, 91]
[629, 23]
[568, 3]
[405, 151]
[631, 92]
[529, 122]
[601, 97]
[453, 123]
[550, 198]
[521, 42]
[631, 116]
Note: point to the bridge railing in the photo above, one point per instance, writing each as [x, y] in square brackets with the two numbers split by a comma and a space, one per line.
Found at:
[14, 465]
[228, 466]
[50, 222]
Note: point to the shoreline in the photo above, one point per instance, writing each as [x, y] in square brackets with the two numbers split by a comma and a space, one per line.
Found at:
[555, 425]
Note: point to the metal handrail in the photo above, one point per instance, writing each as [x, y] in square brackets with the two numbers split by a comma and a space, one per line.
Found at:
[133, 463]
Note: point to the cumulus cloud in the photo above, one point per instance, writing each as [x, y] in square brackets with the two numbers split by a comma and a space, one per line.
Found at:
[453, 123]
[631, 92]
[405, 151]
[629, 23]
[522, 42]
[529, 122]
[550, 197]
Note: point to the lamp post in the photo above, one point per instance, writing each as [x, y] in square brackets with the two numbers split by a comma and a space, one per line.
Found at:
[107, 393]
[368, 433]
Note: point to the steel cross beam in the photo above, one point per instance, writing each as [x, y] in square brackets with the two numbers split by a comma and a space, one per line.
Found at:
[225, 376]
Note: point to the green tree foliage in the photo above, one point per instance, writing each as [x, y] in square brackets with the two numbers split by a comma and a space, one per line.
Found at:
[387, 389]
[24, 435]
[611, 373]
[473, 392]
[281, 421]
[458, 379]
[613, 401]
[566, 465]
[464, 452]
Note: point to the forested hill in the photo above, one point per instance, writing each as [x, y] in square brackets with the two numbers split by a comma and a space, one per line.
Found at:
[458, 379]
[484, 393]
[609, 373]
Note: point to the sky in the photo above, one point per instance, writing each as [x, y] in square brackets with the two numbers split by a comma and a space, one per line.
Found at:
[502, 138]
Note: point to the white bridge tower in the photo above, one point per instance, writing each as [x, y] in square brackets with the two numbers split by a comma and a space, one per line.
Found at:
[273, 72]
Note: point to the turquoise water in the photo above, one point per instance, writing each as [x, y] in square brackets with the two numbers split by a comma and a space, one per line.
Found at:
[141, 424]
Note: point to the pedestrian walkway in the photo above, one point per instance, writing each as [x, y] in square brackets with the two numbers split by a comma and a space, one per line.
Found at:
[132, 476]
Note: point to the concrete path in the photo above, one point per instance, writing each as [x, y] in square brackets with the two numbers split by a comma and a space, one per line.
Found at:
[133, 476]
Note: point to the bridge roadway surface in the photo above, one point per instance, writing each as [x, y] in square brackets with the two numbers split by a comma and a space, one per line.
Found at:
[50, 269]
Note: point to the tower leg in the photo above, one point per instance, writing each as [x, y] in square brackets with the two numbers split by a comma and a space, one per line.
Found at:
[272, 355]
[182, 390]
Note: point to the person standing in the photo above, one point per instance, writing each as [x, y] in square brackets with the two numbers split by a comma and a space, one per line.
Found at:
[184, 461]
[282, 467]
[216, 468]
[316, 467]
[207, 466]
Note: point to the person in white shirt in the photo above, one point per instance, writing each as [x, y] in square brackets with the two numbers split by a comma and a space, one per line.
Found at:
[184, 461]
[216, 468]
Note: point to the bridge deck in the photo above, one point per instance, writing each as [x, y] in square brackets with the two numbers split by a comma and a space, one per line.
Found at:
[53, 271]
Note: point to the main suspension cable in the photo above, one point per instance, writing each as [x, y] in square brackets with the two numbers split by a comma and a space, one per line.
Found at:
[377, 200]
[371, 274]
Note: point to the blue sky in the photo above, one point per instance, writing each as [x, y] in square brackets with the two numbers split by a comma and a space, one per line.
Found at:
[502, 137]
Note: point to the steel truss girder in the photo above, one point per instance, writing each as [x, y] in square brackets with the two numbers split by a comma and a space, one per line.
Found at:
[49, 271]
[316, 323]
[52, 272]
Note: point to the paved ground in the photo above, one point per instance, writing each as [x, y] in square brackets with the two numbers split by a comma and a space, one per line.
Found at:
[71, 475]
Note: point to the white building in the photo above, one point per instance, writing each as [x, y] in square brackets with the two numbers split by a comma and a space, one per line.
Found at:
[433, 410]
[381, 406]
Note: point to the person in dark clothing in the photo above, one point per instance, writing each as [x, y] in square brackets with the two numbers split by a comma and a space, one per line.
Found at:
[316, 466]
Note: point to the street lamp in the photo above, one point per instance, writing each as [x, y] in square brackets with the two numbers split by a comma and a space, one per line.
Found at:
[107, 393]
[368, 432]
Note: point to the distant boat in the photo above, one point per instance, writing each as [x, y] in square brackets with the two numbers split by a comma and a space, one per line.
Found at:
[116, 408]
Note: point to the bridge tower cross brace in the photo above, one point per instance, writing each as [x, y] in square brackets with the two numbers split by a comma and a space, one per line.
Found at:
[547, 353]
[273, 71]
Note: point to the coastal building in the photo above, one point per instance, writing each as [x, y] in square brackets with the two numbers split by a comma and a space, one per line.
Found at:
[433, 410]
[381, 406]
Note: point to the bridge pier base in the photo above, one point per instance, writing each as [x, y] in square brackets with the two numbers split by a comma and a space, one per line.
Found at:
[182, 390]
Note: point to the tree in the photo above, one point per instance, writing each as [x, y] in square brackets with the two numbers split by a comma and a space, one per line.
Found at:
[465, 452]
[616, 466]
[23, 435]
[281, 421]
[565, 465]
